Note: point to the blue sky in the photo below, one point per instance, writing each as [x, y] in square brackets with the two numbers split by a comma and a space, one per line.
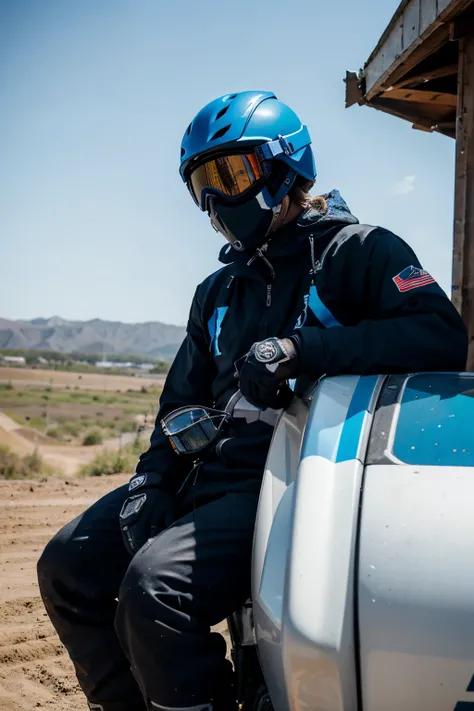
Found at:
[95, 97]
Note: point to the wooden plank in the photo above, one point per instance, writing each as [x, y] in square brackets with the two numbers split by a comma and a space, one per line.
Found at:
[421, 127]
[411, 112]
[442, 5]
[447, 128]
[463, 251]
[389, 52]
[411, 23]
[416, 112]
[388, 30]
[439, 73]
[449, 131]
[391, 59]
[354, 93]
[419, 51]
[419, 96]
[428, 14]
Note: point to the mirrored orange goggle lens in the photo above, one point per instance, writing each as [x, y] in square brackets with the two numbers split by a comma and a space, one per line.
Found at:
[230, 175]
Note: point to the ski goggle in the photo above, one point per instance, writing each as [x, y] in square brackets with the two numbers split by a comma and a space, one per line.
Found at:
[230, 175]
[192, 429]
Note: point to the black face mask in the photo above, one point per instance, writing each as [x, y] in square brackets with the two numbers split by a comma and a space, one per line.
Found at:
[245, 225]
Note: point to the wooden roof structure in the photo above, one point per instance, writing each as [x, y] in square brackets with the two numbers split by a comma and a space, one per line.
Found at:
[422, 70]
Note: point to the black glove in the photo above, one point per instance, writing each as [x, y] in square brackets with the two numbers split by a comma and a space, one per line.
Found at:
[145, 514]
[266, 367]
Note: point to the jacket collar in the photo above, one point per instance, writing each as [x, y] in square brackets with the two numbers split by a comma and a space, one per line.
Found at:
[293, 238]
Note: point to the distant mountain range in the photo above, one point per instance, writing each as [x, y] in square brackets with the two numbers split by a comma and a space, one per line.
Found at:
[96, 336]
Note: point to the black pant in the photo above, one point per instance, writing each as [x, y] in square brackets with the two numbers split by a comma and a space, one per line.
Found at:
[150, 614]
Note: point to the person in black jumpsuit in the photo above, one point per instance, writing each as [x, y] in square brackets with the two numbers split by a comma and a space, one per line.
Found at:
[305, 290]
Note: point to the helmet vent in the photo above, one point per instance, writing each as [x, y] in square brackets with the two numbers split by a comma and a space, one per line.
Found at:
[221, 132]
[189, 129]
[229, 98]
[182, 152]
[222, 112]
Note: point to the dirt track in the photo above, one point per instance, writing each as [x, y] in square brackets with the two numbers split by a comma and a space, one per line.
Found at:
[62, 457]
[35, 672]
[22, 377]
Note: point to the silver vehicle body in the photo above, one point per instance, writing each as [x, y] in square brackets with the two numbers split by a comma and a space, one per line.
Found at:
[363, 566]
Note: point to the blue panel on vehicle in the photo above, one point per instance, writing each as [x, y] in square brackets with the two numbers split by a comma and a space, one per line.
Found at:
[352, 428]
[436, 422]
[337, 439]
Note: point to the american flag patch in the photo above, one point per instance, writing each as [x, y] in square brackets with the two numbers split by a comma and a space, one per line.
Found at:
[411, 278]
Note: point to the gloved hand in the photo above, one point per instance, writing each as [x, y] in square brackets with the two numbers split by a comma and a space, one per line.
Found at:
[265, 368]
[145, 513]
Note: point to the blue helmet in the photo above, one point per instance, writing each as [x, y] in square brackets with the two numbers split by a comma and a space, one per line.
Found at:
[250, 121]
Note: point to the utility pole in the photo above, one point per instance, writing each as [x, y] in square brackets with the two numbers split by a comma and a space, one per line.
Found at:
[463, 252]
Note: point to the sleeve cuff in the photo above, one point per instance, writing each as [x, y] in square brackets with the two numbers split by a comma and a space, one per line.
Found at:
[310, 345]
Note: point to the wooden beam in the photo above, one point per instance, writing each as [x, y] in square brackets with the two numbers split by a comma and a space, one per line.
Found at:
[417, 30]
[411, 25]
[447, 128]
[400, 110]
[450, 133]
[422, 127]
[428, 115]
[354, 92]
[461, 24]
[463, 252]
[419, 96]
[420, 51]
[439, 73]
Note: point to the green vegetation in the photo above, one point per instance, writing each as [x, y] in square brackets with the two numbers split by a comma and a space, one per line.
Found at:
[162, 367]
[65, 431]
[77, 417]
[92, 437]
[107, 463]
[68, 416]
[12, 466]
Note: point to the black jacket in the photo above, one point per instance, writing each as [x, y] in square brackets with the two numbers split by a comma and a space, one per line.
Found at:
[358, 299]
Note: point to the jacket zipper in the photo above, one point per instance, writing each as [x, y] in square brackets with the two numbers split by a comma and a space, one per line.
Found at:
[268, 303]
[315, 264]
[269, 295]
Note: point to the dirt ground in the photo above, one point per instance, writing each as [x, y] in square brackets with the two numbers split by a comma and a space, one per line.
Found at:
[35, 671]
[22, 377]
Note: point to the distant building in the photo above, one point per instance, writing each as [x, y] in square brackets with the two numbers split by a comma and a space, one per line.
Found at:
[110, 364]
[118, 364]
[16, 360]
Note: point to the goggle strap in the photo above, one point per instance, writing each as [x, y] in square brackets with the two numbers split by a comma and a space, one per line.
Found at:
[281, 146]
[285, 188]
